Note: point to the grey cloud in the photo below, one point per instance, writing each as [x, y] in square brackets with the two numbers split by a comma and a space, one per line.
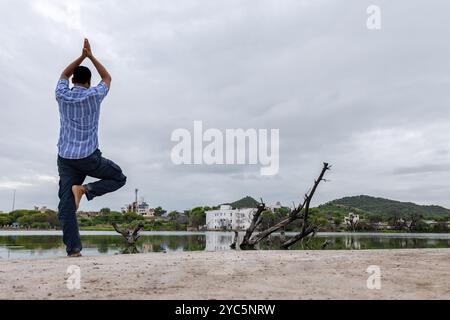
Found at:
[427, 168]
[374, 104]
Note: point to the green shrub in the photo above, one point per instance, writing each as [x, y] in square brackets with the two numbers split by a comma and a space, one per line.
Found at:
[41, 225]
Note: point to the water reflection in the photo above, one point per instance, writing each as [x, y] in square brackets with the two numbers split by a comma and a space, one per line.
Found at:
[22, 245]
[218, 241]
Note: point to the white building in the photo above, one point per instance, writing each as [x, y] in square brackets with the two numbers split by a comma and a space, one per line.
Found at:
[144, 210]
[352, 220]
[228, 219]
[273, 207]
[141, 208]
[41, 209]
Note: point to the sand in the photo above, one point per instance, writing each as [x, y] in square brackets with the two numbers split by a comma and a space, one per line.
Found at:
[405, 274]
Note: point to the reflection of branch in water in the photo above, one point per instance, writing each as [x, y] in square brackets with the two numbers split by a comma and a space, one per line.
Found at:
[305, 242]
[130, 250]
[326, 244]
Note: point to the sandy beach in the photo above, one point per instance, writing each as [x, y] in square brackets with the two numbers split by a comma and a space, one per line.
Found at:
[406, 274]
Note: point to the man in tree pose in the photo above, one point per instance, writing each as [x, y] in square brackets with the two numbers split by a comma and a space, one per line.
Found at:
[78, 147]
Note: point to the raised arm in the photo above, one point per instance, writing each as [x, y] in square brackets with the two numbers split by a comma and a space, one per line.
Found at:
[104, 74]
[68, 72]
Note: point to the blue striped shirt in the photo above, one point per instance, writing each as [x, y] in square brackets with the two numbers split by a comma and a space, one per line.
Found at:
[79, 110]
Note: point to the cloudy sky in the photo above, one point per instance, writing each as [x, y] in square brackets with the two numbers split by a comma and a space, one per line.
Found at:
[375, 104]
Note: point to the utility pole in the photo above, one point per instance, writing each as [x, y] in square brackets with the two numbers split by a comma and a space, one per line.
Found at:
[14, 201]
[136, 191]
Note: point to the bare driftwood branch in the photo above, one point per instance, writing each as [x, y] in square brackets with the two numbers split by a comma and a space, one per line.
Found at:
[257, 219]
[308, 229]
[302, 235]
[131, 236]
[136, 232]
[299, 212]
[119, 230]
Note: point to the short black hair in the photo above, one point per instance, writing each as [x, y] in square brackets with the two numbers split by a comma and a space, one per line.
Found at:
[82, 75]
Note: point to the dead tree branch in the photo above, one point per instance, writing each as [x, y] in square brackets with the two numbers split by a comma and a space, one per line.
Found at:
[300, 212]
[256, 221]
[312, 229]
[131, 236]
[308, 229]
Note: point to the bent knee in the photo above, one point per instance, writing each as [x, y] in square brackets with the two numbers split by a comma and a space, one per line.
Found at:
[122, 180]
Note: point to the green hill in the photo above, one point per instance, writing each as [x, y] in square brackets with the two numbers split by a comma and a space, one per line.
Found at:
[384, 207]
[247, 202]
[365, 206]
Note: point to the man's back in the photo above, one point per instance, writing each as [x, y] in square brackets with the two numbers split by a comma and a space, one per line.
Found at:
[79, 153]
[79, 110]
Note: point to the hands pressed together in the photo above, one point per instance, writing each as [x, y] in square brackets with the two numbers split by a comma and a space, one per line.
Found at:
[87, 50]
[87, 53]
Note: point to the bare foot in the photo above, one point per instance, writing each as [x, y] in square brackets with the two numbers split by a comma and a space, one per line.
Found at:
[78, 193]
[75, 255]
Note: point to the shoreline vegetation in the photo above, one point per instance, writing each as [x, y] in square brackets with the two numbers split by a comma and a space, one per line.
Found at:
[351, 214]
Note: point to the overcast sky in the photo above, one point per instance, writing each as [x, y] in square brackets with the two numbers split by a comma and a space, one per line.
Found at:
[375, 104]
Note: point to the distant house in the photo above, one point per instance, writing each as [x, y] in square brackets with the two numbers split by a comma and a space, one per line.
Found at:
[144, 210]
[130, 208]
[381, 226]
[91, 214]
[352, 220]
[431, 222]
[43, 209]
[141, 208]
[273, 207]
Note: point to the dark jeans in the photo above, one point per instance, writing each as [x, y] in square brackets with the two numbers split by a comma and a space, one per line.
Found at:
[74, 172]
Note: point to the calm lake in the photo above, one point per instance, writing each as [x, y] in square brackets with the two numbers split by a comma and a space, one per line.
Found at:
[36, 245]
